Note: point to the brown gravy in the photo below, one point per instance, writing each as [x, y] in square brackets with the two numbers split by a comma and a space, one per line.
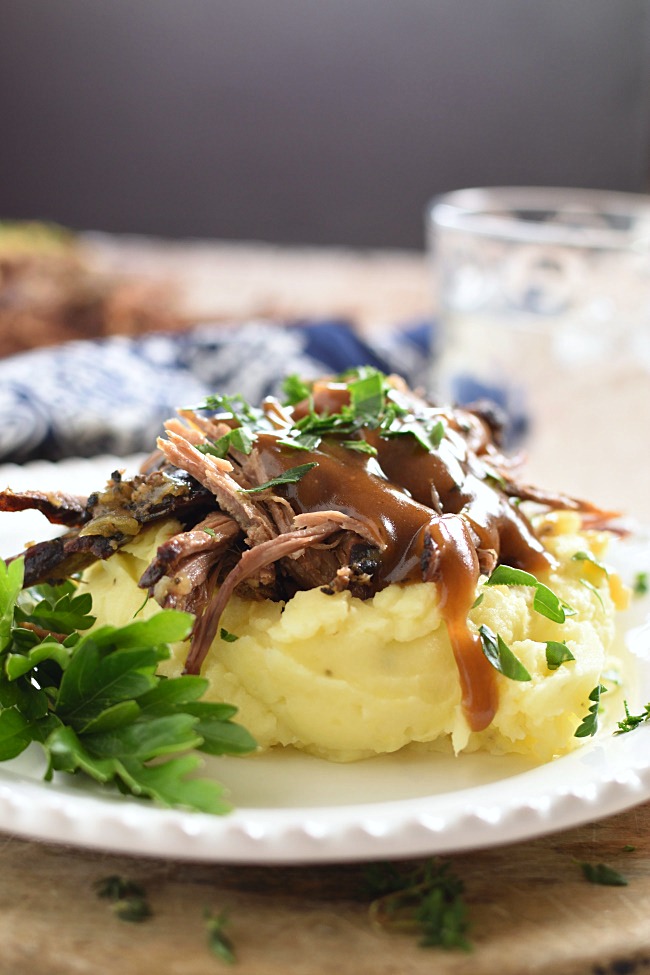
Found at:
[438, 514]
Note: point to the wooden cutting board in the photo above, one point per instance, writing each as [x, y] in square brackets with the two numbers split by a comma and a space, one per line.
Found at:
[531, 911]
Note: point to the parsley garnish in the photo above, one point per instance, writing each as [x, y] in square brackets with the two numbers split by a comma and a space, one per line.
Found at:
[641, 584]
[94, 702]
[129, 901]
[556, 654]
[501, 656]
[589, 725]
[361, 446]
[301, 441]
[632, 721]
[241, 439]
[219, 942]
[591, 558]
[594, 589]
[427, 900]
[290, 476]
[545, 601]
[373, 405]
[601, 873]
[295, 389]
[227, 636]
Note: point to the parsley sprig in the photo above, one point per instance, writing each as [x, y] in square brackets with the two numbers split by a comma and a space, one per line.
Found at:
[602, 873]
[94, 702]
[589, 724]
[428, 900]
[632, 721]
[499, 654]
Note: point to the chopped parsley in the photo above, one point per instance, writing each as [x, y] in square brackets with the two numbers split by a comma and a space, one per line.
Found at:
[641, 584]
[219, 940]
[128, 899]
[427, 900]
[373, 404]
[601, 873]
[499, 654]
[227, 636]
[545, 602]
[361, 446]
[591, 558]
[295, 389]
[290, 476]
[632, 721]
[593, 589]
[240, 438]
[589, 724]
[557, 653]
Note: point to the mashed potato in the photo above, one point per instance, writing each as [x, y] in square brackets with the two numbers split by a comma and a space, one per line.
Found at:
[345, 678]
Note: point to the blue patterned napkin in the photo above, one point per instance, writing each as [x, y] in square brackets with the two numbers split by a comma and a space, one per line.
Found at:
[81, 399]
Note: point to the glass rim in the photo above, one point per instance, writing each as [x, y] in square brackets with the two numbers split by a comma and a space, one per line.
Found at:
[472, 210]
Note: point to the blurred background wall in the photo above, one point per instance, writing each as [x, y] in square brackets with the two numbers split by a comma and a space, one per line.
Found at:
[311, 121]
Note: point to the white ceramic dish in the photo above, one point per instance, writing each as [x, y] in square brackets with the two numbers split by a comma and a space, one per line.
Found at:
[291, 808]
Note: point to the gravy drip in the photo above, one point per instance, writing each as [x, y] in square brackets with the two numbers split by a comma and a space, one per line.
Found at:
[440, 514]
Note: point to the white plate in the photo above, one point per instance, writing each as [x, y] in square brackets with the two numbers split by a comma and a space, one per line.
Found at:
[291, 808]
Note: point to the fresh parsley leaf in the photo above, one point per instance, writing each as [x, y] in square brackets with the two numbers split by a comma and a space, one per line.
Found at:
[428, 900]
[601, 873]
[641, 584]
[436, 434]
[60, 609]
[115, 887]
[594, 589]
[219, 941]
[227, 636]
[545, 601]
[295, 389]
[240, 438]
[361, 446]
[129, 900]
[589, 724]
[15, 733]
[132, 909]
[556, 654]
[302, 441]
[95, 703]
[11, 582]
[591, 558]
[501, 656]
[290, 476]
[367, 397]
[632, 721]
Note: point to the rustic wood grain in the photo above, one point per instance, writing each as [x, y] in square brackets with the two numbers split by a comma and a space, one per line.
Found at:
[530, 908]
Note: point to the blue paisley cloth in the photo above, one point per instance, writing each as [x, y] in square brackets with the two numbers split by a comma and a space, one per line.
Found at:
[86, 398]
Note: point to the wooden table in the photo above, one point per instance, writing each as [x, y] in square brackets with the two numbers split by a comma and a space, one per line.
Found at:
[530, 908]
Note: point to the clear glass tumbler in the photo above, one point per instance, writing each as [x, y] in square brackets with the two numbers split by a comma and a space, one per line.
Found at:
[543, 305]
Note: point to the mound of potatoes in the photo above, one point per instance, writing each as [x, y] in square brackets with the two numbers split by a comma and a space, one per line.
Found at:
[345, 678]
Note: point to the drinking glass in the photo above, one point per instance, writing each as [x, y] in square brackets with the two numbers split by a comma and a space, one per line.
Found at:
[543, 306]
